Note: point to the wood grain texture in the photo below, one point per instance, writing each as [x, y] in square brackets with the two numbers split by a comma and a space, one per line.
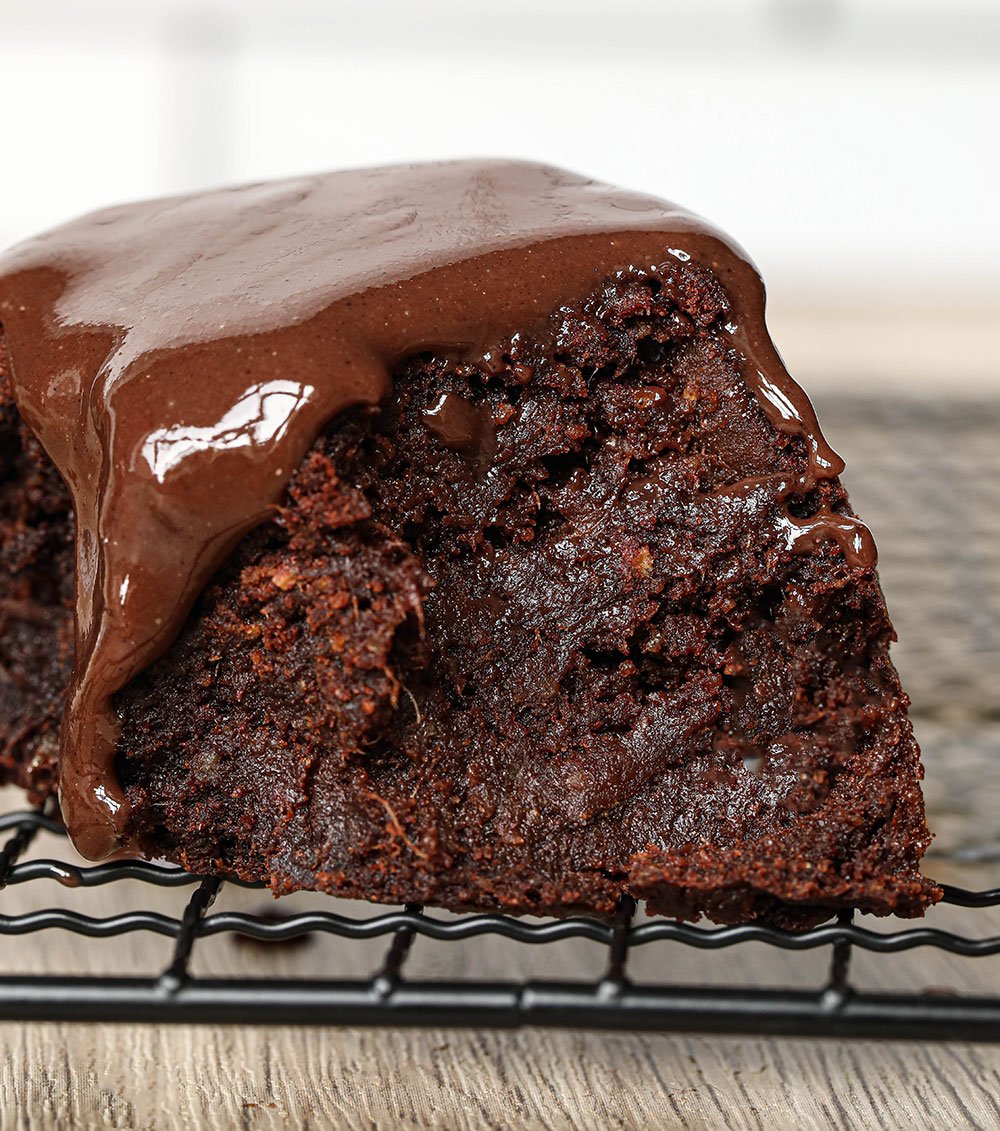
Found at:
[203, 1078]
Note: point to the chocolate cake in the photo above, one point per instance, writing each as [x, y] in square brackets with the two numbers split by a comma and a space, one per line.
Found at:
[447, 534]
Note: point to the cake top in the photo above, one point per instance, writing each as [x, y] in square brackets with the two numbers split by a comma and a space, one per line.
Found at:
[167, 273]
[177, 358]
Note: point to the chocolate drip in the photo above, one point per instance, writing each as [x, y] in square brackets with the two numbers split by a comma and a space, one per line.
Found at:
[177, 358]
[462, 426]
[801, 534]
[850, 534]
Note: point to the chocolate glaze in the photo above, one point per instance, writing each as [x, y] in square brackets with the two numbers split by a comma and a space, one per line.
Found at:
[177, 358]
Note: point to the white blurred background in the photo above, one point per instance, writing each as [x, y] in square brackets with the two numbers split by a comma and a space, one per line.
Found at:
[850, 145]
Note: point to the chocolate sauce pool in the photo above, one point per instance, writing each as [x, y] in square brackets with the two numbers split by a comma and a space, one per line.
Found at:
[177, 359]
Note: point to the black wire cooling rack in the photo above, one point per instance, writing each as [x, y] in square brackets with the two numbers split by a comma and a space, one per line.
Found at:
[612, 1002]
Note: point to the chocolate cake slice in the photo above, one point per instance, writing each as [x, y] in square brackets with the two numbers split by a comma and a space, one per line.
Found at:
[447, 534]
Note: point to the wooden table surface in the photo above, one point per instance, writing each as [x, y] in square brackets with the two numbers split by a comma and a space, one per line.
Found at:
[927, 476]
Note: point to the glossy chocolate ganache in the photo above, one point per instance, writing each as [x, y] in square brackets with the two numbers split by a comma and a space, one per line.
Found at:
[177, 359]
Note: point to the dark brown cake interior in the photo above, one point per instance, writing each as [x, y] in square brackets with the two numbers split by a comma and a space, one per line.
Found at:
[36, 600]
[523, 638]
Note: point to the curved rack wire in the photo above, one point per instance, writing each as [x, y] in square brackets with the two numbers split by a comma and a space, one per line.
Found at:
[387, 998]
